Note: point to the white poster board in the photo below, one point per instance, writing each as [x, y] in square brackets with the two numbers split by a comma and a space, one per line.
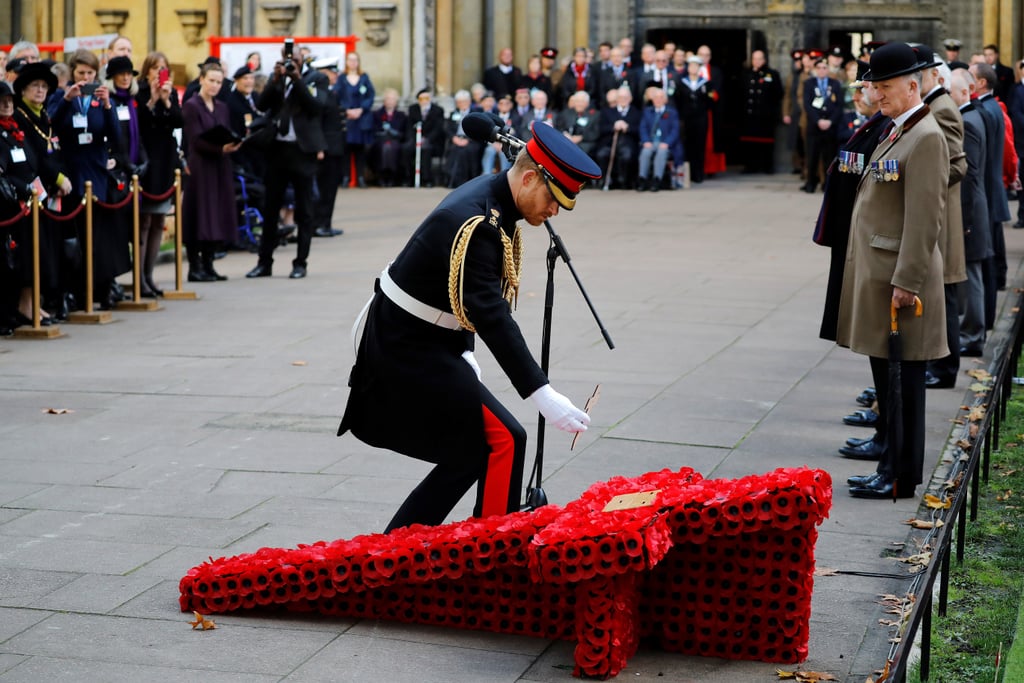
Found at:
[99, 42]
[233, 55]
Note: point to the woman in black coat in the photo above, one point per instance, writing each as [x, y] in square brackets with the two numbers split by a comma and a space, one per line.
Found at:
[17, 167]
[86, 125]
[159, 114]
[34, 84]
[389, 127]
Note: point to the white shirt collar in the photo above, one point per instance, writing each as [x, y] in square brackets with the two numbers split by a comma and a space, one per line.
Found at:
[902, 118]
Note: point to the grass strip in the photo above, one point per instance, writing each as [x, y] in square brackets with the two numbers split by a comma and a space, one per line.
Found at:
[985, 592]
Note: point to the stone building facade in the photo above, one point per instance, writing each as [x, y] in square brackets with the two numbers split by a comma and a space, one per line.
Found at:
[407, 44]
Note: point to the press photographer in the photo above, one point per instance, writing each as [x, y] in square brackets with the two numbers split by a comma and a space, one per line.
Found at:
[297, 109]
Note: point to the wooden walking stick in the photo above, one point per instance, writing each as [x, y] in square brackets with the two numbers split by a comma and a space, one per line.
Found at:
[611, 162]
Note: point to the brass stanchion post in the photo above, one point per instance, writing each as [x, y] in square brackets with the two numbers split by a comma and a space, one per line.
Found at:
[37, 331]
[89, 316]
[137, 304]
[178, 292]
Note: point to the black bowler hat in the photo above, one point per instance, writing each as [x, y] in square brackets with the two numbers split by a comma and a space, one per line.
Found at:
[566, 167]
[120, 65]
[210, 60]
[240, 72]
[16, 64]
[892, 60]
[34, 71]
[925, 56]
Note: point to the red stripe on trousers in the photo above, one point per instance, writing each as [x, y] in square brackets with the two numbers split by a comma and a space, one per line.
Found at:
[499, 465]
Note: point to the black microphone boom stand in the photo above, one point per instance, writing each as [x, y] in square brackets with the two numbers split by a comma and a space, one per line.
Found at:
[535, 496]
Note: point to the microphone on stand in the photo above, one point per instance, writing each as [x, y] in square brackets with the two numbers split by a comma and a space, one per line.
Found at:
[487, 128]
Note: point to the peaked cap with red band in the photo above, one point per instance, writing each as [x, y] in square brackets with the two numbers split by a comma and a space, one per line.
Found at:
[566, 167]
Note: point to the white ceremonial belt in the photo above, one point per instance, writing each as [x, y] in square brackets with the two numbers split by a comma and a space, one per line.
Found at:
[415, 307]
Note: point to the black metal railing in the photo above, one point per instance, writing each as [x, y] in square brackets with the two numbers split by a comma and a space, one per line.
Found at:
[962, 485]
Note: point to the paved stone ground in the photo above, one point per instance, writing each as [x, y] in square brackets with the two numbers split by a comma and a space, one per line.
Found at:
[196, 432]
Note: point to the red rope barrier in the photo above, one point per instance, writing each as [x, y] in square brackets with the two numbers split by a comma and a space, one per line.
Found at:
[112, 207]
[64, 217]
[157, 197]
[11, 221]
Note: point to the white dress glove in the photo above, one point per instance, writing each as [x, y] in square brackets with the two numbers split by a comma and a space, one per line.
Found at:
[559, 411]
[471, 359]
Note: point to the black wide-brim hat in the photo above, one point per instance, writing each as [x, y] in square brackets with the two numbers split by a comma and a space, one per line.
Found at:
[892, 60]
[566, 167]
[120, 65]
[35, 72]
[926, 56]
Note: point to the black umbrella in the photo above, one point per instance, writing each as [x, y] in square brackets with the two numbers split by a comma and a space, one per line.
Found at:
[894, 398]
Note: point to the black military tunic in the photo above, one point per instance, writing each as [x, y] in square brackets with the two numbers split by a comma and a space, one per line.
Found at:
[412, 392]
[762, 109]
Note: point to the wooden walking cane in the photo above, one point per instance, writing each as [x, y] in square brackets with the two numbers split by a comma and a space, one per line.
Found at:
[611, 162]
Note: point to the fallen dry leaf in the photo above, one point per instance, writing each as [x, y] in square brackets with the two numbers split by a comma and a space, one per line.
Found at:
[805, 676]
[980, 374]
[826, 571]
[977, 414]
[978, 388]
[1005, 496]
[298, 362]
[973, 430]
[1008, 473]
[936, 502]
[202, 622]
[57, 411]
[919, 558]
[924, 523]
[964, 444]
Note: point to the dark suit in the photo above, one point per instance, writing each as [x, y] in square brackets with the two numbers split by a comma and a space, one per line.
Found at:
[657, 128]
[298, 108]
[242, 115]
[331, 169]
[432, 142]
[998, 208]
[626, 145]
[1006, 81]
[587, 125]
[821, 104]
[501, 83]
[951, 239]
[977, 229]
[462, 160]
[607, 80]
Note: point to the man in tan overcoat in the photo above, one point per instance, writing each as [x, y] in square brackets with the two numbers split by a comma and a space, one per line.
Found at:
[893, 258]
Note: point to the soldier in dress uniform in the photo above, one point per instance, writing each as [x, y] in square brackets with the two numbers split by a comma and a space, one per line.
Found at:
[823, 105]
[952, 46]
[416, 385]
[761, 115]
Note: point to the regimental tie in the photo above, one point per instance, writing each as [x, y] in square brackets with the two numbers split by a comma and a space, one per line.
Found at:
[851, 162]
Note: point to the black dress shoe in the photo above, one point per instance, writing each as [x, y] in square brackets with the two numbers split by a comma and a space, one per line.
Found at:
[1019, 224]
[809, 189]
[872, 450]
[326, 232]
[861, 418]
[260, 271]
[200, 276]
[298, 272]
[933, 382]
[862, 479]
[881, 488]
[216, 276]
[857, 442]
[971, 352]
[867, 397]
